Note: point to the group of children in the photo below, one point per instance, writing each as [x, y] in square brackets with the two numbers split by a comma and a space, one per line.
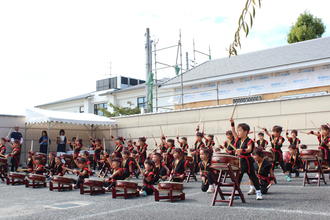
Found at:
[170, 161]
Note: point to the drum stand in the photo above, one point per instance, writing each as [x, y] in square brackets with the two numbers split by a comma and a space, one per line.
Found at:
[317, 170]
[92, 187]
[190, 173]
[3, 172]
[128, 190]
[35, 182]
[226, 174]
[171, 193]
[14, 179]
[61, 185]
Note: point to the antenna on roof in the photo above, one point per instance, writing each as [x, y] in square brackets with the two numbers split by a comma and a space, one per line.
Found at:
[110, 73]
[200, 52]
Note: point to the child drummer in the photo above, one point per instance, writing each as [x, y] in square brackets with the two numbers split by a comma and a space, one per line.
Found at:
[245, 146]
[208, 175]
[261, 142]
[148, 178]
[3, 147]
[277, 141]
[83, 173]
[178, 171]
[183, 142]
[228, 145]
[15, 155]
[117, 174]
[294, 162]
[264, 171]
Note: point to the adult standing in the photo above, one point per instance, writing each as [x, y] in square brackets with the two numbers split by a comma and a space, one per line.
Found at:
[16, 136]
[43, 142]
[61, 141]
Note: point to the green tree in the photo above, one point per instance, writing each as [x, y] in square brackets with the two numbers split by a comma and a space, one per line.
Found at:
[119, 111]
[307, 27]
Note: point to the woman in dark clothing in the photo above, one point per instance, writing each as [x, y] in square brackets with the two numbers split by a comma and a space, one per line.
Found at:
[43, 142]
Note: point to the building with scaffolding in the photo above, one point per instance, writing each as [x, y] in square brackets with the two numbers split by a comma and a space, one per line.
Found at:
[290, 71]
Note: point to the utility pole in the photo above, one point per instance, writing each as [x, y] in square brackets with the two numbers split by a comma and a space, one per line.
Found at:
[194, 52]
[155, 70]
[187, 62]
[149, 74]
[181, 76]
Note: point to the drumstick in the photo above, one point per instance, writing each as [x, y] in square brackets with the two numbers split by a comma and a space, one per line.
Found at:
[254, 132]
[216, 139]
[177, 132]
[104, 147]
[9, 133]
[232, 114]
[161, 130]
[31, 149]
[22, 170]
[153, 137]
[199, 122]
[232, 145]
[287, 125]
[314, 124]
[139, 167]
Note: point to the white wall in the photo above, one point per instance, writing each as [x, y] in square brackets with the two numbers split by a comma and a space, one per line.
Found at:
[299, 114]
[72, 106]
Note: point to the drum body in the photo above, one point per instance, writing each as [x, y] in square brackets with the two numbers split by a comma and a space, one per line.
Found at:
[92, 186]
[93, 182]
[169, 190]
[221, 161]
[63, 180]
[17, 175]
[63, 183]
[37, 177]
[170, 186]
[16, 178]
[127, 184]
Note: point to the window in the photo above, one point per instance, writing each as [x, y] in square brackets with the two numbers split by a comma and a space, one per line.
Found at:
[81, 109]
[133, 82]
[113, 83]
[141, 102]
[102, 84]
[306, 70]
[326, 67]
[99, 106]
[124, 80]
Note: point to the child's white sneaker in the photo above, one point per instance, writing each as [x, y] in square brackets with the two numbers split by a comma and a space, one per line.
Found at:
[258, 195]
[143, 193]
[210, 189]
[252, 191]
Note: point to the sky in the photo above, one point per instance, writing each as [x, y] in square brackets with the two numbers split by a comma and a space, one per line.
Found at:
[50, 50]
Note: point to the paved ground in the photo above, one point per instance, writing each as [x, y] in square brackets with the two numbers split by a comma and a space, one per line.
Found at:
[285, 201]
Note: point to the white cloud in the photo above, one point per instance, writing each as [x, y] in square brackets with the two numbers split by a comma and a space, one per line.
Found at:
[57, 49]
